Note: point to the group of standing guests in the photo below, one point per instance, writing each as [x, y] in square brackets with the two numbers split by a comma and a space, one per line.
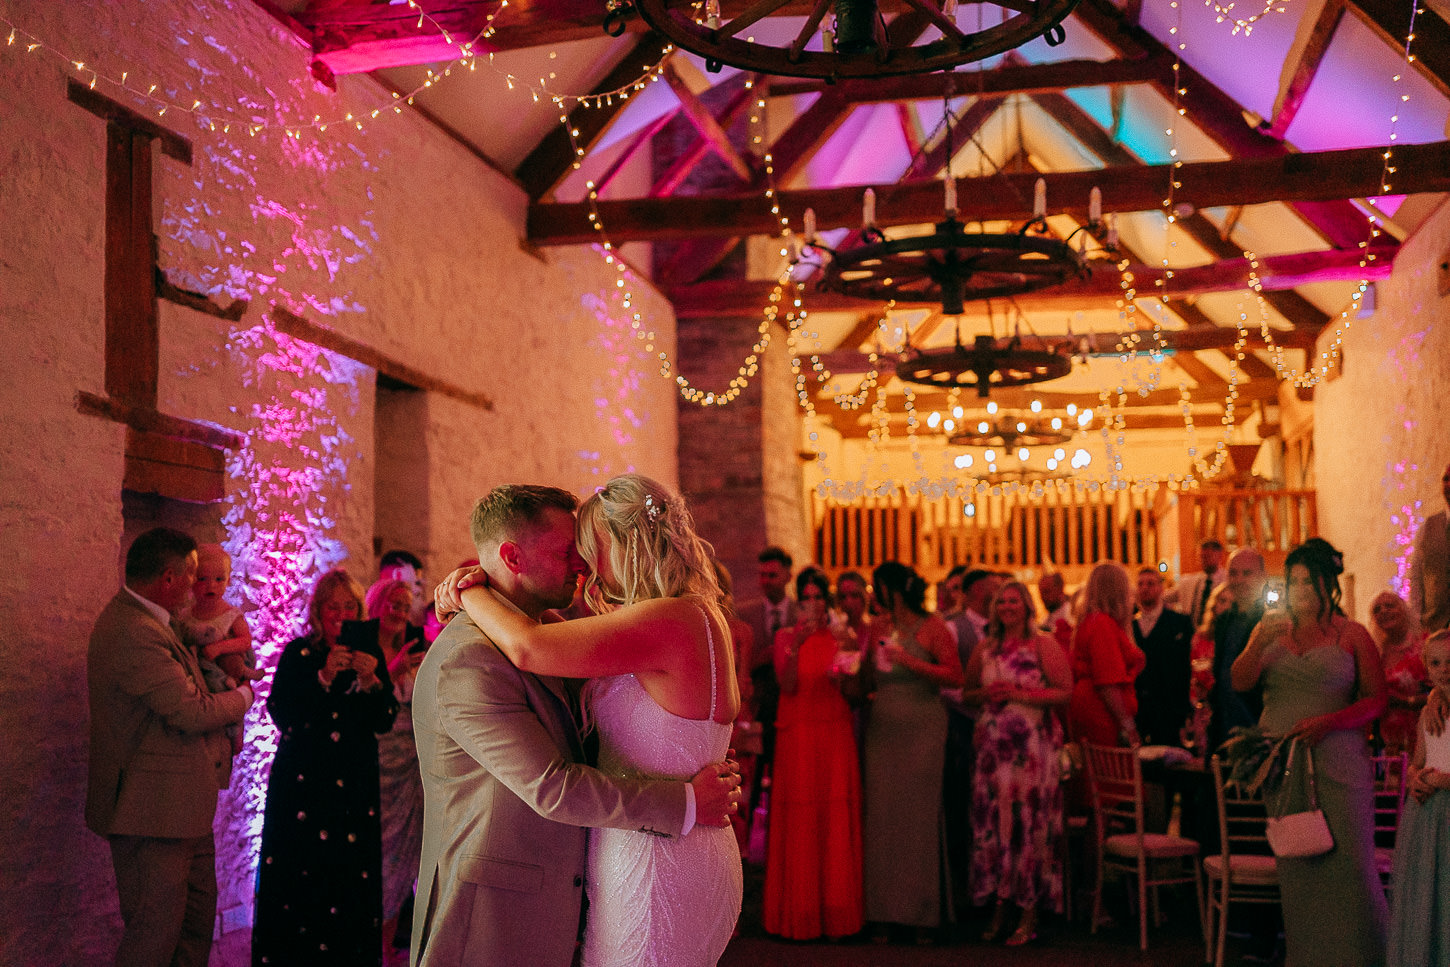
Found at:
[858, 833]
[857, 829]
[343, 825]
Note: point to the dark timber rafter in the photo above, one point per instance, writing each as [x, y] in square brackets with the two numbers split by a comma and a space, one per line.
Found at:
[744, 297]
[1318, 176]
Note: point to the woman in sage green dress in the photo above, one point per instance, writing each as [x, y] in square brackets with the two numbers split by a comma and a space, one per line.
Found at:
[1323, 684]
[906, 734]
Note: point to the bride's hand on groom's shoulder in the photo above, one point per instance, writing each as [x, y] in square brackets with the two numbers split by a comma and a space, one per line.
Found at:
[447, 596]
[717, 793]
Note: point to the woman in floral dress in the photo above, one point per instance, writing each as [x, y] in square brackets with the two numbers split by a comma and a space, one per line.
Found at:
[1019, 676]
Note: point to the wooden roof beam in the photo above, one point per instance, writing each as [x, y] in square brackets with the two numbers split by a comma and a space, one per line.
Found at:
[1010, 78]
[746, 297]
[706, 125]
[1322, 175]
[554, 157]
[1305, 66]
[1215, 113]
[1431, 47]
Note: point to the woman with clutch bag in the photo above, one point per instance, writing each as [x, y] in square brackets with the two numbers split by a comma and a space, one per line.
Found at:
[1323, 686]
[813, 862]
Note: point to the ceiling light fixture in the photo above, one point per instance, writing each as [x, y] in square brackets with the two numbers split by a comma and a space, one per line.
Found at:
[854, 43]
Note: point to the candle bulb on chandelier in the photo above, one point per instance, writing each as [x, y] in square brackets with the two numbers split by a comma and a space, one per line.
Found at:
[1039, 199]
[1112, 237]
[951, 193]
[1095, 206]
[809, 223]
[868, 209]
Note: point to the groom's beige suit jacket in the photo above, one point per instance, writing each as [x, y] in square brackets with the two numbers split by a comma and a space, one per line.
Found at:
[507, 805]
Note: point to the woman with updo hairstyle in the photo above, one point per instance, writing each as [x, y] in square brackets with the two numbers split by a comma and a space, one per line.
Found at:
[1324, 686]
[663, 697]
[915, 657]
[319, 889]
[1105, 661]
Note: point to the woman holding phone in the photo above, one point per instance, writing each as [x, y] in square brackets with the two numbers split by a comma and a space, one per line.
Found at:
[318, 898]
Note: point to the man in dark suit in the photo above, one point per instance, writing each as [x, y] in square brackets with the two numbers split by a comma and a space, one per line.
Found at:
[1166, 638]
[158, 756]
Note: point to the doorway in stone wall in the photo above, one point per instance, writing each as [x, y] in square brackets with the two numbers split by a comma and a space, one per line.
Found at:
[400, 481]
[140, 512]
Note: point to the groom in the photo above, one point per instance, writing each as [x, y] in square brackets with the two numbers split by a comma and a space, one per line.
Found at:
[507, 800]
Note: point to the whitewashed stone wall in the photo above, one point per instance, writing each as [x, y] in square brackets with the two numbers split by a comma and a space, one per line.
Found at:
[393, 236]
[1382, 429]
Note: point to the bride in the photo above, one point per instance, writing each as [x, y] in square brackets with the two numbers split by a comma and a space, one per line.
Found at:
[664, 697]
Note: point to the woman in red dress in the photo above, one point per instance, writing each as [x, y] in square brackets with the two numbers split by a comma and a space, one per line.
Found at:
[1105, 661]
[813, 858]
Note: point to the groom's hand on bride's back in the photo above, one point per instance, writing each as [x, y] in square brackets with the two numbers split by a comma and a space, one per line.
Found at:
[717, 793]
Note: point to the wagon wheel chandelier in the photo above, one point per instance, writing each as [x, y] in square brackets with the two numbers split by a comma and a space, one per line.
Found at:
[953, 266]
[853, 42]
[987, 363]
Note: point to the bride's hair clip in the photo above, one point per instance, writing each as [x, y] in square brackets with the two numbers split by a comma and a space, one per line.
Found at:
[652, 509]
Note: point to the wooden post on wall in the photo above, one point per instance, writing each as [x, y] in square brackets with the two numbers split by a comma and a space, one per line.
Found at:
[175, 458]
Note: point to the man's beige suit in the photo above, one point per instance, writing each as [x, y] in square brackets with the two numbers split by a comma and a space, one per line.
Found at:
[158, 756]
[507, 806]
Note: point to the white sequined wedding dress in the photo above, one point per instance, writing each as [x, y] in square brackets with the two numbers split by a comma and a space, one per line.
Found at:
[658, 901]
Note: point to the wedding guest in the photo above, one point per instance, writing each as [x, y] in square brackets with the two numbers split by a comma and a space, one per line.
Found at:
[1019, 676]
[1229, 707]
[905, 858]
[1165, 637]
[1430, 567]
[813, 868]
[1397, 633]
[1105, 662]
[389, 604]
[1324, 686]
[319, 882]
[1052, 589]
[158, 756]
[1419, 929]
[1190, 595]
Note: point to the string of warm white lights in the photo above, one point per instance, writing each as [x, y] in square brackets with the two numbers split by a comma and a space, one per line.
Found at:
[1329, 358]
[770, 314]
[1225, 11]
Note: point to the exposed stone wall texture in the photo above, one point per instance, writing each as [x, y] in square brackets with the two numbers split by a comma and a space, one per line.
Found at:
[1382, 428]
[394, 237]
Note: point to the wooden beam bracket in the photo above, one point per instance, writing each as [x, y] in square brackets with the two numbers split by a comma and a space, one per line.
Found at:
[291, 324]
[202, 303]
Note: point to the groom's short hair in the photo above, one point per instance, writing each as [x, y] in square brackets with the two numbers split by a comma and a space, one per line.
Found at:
[500, 514]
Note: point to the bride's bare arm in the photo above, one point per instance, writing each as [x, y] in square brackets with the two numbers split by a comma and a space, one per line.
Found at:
[647, 637]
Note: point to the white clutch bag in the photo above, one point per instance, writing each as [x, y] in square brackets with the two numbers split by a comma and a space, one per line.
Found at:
[1304, 833]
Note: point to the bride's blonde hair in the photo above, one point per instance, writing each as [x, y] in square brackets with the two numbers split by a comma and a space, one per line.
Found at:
[650, 539]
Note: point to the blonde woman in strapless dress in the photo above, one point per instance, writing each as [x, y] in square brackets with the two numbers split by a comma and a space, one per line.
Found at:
[664, 697]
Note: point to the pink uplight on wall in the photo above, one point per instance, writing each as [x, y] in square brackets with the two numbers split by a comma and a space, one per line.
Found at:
[281, 535]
